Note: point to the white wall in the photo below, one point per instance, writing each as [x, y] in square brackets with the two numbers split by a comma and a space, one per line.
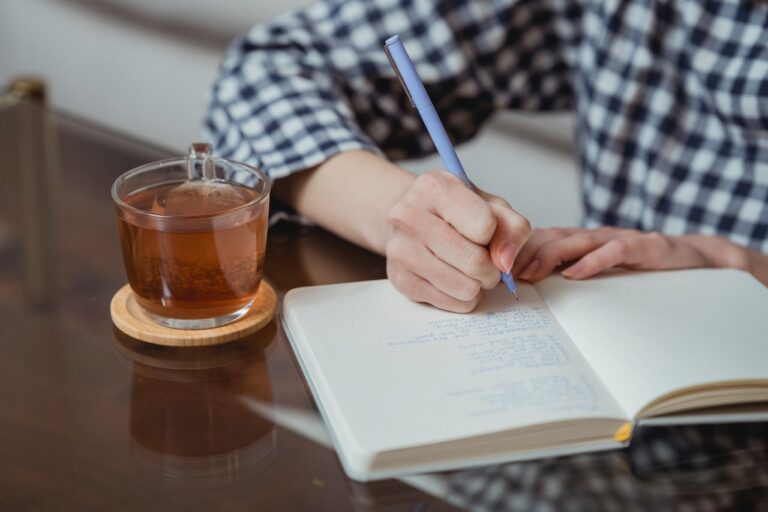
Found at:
[148, 84]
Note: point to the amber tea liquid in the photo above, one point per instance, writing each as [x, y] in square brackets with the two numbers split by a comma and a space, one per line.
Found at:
[204, 258]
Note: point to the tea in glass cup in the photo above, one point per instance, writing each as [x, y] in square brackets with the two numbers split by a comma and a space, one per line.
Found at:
[193, 232]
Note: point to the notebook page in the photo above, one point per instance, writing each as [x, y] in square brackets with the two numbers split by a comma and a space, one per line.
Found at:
[650, 333]
[391, 373]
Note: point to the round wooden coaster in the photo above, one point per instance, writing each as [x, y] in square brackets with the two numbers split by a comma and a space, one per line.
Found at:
[130, 318]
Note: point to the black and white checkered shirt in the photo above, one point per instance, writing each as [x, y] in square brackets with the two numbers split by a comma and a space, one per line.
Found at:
[671, 96]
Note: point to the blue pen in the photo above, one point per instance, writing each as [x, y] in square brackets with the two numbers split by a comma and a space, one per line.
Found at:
[416, 92]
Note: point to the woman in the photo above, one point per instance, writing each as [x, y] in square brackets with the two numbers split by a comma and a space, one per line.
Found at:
[671, 100]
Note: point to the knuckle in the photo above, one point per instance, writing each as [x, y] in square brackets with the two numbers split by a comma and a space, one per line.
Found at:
[400, 215]
[395, 214]
[498, 201]
[655, 238]
[522, 225]
[621, 246]
[430, 182]
[468, 290]
[468, 306]
[476, 259]
[592, 238]
[660, 244]
[485, 224]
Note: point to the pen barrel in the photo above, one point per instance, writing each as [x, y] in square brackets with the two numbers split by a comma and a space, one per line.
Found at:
[406, 72]
[414, 87]
[443, 144]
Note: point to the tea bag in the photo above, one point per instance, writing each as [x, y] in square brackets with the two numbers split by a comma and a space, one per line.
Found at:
[203, 197]
[203, 193]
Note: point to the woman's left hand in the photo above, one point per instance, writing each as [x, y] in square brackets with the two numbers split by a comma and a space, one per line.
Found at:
[595, 250]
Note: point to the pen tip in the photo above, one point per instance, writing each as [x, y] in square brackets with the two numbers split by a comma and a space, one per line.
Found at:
[506, 277]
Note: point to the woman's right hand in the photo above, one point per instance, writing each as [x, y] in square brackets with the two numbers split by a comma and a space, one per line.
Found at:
[447, 243]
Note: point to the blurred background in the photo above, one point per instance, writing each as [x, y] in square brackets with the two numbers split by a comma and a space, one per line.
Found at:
[145, 67]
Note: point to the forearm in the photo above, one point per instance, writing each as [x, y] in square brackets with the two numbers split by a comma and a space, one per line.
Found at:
[349, 194]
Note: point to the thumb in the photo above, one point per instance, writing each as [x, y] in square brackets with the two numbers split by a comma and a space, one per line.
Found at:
[512, 231]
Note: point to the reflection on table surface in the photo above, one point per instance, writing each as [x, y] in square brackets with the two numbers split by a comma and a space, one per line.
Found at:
[181, 431]
[705, 467]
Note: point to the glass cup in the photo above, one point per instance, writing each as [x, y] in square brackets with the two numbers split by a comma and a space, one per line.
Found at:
[194, 233]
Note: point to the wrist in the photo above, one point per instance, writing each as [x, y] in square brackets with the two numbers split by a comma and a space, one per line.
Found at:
[720, 252]
[350, 194]
[397, 184]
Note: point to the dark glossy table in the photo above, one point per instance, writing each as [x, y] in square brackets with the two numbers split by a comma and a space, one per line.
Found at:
[91, 419]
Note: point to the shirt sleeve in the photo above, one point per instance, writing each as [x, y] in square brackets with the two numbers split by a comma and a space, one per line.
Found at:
[313, 83]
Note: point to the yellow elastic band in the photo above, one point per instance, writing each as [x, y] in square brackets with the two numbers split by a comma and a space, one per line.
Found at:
[624, 433]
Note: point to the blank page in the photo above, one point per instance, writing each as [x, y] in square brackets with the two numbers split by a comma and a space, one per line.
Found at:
[650, 333]
[392, 373]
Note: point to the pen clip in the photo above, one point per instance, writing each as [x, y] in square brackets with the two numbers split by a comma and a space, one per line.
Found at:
[399, 76]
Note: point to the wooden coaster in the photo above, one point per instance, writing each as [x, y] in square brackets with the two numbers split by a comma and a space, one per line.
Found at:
[130, 318]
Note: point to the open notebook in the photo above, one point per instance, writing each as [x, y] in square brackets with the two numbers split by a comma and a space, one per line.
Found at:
[570, 367]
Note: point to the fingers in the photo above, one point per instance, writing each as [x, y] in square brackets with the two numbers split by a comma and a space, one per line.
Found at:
[512, 232]
[635, 250]
[539, 238]
[451, 200]
[614, 253]
[450, 246]
[409, 253]
[601, 249]
[560, 250]
[421, 290]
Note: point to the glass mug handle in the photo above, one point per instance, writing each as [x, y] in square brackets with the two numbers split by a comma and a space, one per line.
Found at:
[200, 163]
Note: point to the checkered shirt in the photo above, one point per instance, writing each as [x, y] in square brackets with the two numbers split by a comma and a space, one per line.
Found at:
[671, 97]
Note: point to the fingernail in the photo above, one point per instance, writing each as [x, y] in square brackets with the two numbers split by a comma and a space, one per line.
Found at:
[507, 256]
[574, 270]
[530, 269]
